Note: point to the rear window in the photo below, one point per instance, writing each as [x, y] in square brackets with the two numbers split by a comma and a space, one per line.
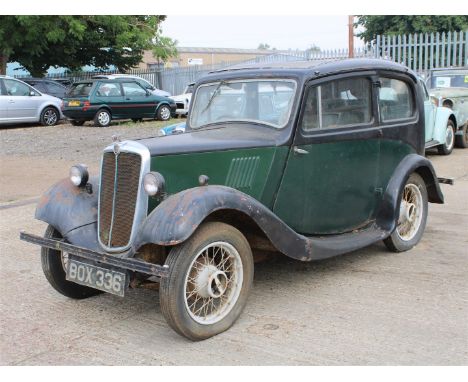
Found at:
[81, 89]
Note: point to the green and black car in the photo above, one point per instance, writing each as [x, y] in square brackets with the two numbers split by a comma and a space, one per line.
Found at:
[102, 100]
[309, 160]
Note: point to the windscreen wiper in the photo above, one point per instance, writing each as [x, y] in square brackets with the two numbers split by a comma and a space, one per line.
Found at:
[214, 95]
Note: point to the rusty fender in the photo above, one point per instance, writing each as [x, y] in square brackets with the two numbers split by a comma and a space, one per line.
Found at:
[387, 216]
[72, 211]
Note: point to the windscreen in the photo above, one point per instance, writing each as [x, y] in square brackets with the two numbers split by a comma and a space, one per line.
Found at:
[449, 80]
[267, 102]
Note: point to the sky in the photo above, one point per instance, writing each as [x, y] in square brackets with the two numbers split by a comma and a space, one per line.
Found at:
[280, 32]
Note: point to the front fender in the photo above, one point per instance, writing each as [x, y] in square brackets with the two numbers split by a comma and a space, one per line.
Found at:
[443, 114]
[67, 207]
[176, 218]
[389, 211]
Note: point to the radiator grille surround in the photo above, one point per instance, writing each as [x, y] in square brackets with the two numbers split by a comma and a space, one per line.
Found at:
[122, 201]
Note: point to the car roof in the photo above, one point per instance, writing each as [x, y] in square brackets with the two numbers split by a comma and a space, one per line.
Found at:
[310, 68]
[93, 80]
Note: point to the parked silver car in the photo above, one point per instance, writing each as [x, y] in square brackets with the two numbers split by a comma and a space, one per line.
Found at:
[20, 103]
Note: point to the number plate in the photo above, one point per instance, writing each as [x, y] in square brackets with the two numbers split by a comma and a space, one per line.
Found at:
[96, 277]
[74, 103]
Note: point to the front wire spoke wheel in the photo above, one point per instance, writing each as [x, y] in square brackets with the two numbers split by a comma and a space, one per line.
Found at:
[213, 283]
[410, 212]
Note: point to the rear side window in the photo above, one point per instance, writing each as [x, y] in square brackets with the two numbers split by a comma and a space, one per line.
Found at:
[16, 88]
[109, 89]
[395, 100]
[338, 103]
[81, 89]
[55, 87]
[40, 86]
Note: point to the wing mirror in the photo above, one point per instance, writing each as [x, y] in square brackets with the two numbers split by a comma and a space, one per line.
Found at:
[148, 93]
[32, 93]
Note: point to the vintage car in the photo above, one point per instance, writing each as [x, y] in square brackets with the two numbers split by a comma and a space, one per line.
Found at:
[450, 88]
[440, 124]
[299, 158]
[176, 128]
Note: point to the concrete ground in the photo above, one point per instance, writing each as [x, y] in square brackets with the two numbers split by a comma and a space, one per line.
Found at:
[370, 307]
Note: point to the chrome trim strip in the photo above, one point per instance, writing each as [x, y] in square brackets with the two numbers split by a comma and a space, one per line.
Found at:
[141, 207]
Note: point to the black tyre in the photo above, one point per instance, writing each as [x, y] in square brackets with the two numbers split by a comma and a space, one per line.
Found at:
[447, 147]
[210, 277]
[53, 266]
[74, 122]
[102, 118]
[462, 140]
[163, 113]
[413, 216]
[50, 116]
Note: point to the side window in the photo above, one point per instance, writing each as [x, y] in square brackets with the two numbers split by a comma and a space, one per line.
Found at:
[40, 86]
[2, 91]
[426, 93]
[109, 89]
[338, 103]
[395, 100]
[16, 88]
[55, 88]
[133, 89]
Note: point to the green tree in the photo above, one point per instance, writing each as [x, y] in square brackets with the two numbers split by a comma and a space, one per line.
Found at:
[164, 48]
[263, 46]
[38, 42]
[395, 25]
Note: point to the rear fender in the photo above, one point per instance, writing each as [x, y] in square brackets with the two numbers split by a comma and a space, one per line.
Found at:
[389, 211]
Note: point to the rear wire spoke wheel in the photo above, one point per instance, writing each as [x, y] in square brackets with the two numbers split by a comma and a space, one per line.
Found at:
[54, 265]
[412, 216]
[210, 276]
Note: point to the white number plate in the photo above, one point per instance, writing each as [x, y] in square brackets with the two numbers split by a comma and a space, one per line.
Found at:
[96, 277]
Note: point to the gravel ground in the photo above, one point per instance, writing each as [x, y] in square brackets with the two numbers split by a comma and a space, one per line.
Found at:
[369, 307]
[32, 158]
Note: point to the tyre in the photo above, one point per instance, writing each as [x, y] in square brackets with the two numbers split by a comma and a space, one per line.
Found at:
[462, 140]
[102, 118]
[412, 218]
[163, 113]
[447, 147]
[54, 263]
[50, 116]
[210, 277]
[74, 122]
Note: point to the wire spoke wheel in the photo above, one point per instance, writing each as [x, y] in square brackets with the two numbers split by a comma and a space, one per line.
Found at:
[213, 283]
[410, 212]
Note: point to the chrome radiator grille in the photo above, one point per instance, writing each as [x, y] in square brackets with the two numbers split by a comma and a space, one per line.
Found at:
[120, 178]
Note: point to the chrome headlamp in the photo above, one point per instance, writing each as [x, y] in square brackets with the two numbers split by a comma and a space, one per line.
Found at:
[79, 175]
[153, 183]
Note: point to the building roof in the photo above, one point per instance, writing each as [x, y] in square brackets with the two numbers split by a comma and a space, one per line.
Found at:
[234, 50]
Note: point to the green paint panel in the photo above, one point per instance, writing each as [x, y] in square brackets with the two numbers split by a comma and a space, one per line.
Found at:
[256, 172]
[331, 189]
[391, 154]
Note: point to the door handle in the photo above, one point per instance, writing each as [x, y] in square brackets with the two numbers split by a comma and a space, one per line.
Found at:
[299, 151]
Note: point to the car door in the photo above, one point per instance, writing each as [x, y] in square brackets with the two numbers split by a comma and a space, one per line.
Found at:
[23, 101]
[329, 182]
[3, 102]
[139, 102]
[110, 94]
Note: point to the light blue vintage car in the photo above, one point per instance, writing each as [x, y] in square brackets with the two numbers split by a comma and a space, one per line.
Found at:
[176, 128]
[441, 124]
[450, 88]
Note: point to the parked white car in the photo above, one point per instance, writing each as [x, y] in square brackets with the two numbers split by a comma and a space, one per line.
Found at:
[183, 100]
[21, 103]
[140, 80]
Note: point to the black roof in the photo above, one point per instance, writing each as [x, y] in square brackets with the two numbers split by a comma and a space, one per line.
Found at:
[311, 68]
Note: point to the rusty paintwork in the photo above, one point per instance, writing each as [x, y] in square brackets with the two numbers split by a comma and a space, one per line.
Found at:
[66, 207]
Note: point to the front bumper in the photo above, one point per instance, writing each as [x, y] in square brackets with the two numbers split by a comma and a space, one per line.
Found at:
[130, 264]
